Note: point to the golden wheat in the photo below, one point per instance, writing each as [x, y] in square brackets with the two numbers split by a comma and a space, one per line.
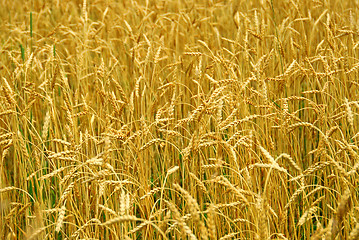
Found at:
[179, 119]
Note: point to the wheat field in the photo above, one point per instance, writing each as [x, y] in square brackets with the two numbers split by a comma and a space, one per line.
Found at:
[179, 119]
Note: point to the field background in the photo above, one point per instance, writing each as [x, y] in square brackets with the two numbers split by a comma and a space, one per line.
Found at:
[179, 119]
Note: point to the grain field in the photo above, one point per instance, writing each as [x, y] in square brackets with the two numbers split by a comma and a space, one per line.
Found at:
[179, 119]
